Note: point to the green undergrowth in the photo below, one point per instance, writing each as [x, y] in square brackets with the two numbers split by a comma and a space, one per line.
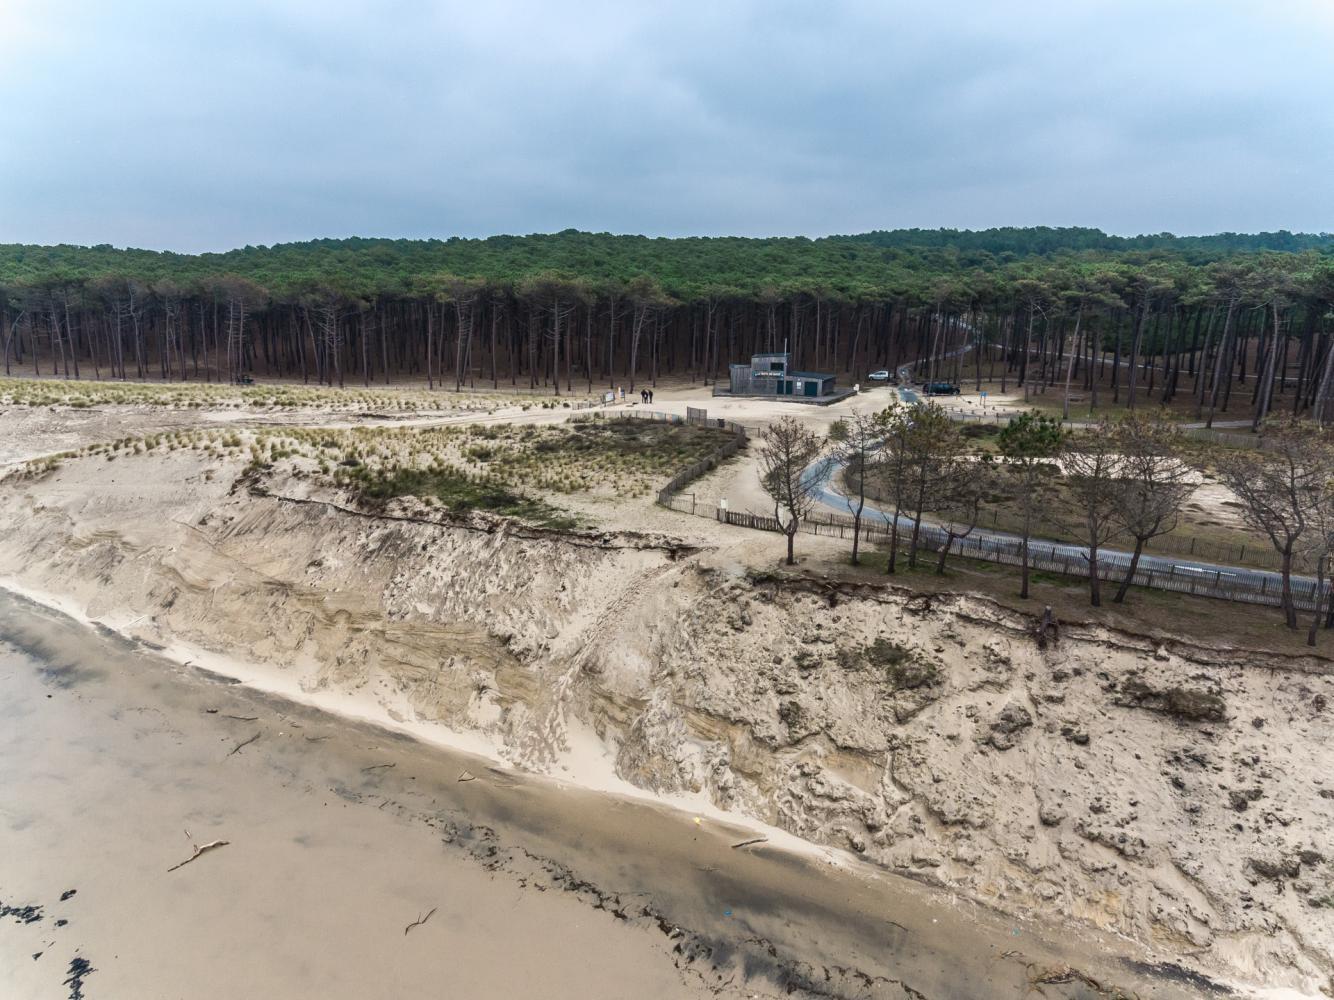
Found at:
[456, 492]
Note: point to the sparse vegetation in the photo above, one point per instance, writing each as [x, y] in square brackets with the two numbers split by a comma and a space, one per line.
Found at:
[883, 653]
[278, 397]
[904, 669]
[497, 468]
[458, 493]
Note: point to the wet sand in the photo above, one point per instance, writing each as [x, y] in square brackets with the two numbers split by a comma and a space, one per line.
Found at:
[341, 834]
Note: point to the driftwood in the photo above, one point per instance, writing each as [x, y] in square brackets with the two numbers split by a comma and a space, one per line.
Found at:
[376, 767]
[419, 921]
[747, 843]
[242, 718]
[1064, 974]
[199, 849]
[244, 743]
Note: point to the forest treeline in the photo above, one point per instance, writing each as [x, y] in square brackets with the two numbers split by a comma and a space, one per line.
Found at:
[1023, 241]
[1229, 322]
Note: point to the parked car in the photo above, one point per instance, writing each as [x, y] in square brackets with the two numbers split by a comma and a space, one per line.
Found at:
[880, 376]
[941, 389]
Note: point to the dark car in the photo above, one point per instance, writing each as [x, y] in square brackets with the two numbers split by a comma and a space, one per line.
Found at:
[941, 389]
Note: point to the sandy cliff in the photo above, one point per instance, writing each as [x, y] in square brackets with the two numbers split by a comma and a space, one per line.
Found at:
[1182, 798]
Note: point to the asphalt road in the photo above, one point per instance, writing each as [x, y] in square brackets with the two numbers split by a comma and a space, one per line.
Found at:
[1239, 577]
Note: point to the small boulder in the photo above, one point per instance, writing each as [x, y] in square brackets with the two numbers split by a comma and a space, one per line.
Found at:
[1013, 719]
[1276, 867]
[1050, 814]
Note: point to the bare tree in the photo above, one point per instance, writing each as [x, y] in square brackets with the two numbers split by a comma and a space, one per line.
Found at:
[464, 294]
[1319, 545]
[1280, 487]
[1028, 444]
[1093, 467]
[558, 295]
[934, 448]
[242, 296]
[893, 469]
[787, 450]
[1154, 484]
[646, 296]
[856, 444]
[964, 485]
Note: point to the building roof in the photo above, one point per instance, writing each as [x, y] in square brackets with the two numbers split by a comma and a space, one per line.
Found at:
[810, 375]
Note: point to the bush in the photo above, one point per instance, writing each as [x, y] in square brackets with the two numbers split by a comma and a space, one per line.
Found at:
[883, 653]
[901, 666]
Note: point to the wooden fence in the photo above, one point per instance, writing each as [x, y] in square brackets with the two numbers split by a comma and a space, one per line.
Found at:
[1248, 587]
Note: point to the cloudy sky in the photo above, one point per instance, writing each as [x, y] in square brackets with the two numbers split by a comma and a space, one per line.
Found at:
[208, 124]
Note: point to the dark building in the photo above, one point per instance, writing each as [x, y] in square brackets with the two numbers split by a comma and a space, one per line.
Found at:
[768, 375]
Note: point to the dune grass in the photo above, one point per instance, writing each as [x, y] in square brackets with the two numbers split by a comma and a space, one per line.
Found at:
[505, 469]
[275, 397]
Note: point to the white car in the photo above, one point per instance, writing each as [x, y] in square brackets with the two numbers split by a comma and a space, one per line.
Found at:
[880, 376]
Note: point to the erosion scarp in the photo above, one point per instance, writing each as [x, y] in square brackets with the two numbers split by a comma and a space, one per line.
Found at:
[1177, 796]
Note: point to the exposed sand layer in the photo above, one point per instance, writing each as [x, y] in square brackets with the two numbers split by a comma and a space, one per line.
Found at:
[1180, 799]
[351, 862]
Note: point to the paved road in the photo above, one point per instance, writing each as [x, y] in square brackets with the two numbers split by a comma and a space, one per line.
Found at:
[832, 498]
[835, 500]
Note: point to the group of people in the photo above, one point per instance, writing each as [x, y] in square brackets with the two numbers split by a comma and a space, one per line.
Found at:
[645, 395]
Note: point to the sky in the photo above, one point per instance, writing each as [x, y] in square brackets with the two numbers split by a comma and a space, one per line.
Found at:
[208, 125]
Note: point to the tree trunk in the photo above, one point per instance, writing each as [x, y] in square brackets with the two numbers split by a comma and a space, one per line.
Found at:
[1289, 611]
[1070, 365]
[1129, 578]
[893, 543]
[944, 551]
[1023, 587]
[1319, 598]
[857, 516]
[1266, 386]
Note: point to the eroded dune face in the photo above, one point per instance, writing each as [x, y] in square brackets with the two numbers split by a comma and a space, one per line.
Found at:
[1183, 799]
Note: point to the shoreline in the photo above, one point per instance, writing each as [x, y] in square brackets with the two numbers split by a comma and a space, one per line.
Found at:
[345, 705]
[647, 876]
[438, 737]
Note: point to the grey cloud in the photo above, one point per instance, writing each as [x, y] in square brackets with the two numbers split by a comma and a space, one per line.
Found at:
[216, 124]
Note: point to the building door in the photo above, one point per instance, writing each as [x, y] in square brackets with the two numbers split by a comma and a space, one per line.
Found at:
[812, 387]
